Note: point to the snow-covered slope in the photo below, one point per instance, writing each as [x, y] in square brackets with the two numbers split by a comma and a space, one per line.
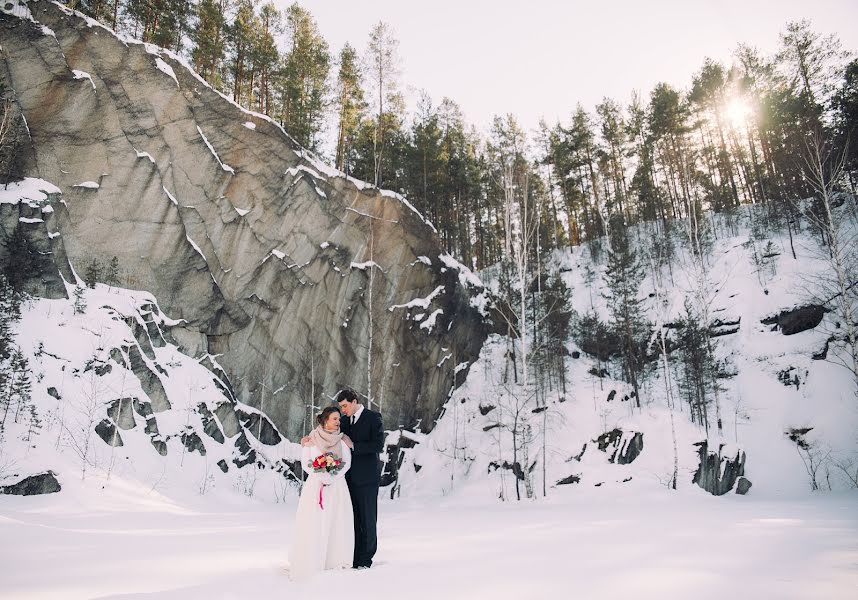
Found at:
[773, 384]
[116, 399]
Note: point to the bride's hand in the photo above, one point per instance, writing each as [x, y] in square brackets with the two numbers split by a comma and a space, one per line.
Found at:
[348, 442]
[305, 441]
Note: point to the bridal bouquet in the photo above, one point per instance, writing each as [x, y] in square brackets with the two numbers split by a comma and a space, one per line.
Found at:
[326, 463]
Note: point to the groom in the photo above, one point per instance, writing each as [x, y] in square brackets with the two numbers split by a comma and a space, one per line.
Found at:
[364, 428]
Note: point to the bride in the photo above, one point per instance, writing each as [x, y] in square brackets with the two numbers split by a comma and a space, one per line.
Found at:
[324, 523]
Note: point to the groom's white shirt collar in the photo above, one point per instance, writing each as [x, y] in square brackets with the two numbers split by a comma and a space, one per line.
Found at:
[358, 413]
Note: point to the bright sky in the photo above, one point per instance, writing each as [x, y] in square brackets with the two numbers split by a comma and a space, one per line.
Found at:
[538, 58]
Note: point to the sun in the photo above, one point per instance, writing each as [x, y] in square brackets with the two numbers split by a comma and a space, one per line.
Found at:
[738, 111]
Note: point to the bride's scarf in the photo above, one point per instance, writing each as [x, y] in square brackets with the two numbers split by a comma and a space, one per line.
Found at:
[327, 441]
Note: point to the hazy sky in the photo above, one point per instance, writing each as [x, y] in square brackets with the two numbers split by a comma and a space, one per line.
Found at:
[538, 58]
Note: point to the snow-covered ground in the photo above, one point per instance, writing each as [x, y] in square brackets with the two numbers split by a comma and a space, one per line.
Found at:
[138, 523]
[128, 541]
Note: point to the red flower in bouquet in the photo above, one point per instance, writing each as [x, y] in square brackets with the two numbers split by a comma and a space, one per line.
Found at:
[326, 463]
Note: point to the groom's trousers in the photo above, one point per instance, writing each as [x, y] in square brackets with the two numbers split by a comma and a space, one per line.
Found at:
[365, 507]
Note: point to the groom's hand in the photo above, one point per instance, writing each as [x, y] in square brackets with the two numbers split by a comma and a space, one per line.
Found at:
[305, 441]
[349, 442]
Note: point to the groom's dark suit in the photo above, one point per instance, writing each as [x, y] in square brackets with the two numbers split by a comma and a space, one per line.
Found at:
[363, 478]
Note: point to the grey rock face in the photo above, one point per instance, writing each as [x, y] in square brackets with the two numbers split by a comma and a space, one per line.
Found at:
[743, 486]
[108, 432]
[622, 447]
[262, 252]
[41, 483]
[121, 413]
[798, 319]
[717, 474]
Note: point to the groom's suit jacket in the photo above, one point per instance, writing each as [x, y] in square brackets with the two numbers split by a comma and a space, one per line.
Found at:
[367, 434]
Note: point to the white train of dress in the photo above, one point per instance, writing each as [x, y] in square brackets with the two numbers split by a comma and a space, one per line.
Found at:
[324, 531]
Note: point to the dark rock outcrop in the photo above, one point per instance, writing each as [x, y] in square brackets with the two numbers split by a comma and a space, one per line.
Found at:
[121, 412]
[570, 479]
[717, 473]
[798, 319]
[258, 250]
[41, 483]
[622, 447]
[108, 432]
[397, 444]
[743, 486]
[210, 426]
[259, 427]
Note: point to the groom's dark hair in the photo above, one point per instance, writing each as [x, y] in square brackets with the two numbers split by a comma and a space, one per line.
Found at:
[346, 394]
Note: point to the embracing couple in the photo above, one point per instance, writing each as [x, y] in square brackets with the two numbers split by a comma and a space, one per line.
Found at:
[335, 525]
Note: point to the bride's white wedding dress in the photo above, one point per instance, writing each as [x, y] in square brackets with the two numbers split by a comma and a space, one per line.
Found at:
[324, 532]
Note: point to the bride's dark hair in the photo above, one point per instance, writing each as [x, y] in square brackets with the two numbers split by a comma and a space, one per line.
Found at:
[323, 416]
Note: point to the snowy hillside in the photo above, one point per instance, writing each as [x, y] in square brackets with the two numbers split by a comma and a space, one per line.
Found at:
[115, 399]
[771, 383]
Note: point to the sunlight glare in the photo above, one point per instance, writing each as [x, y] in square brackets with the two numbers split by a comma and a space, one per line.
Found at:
[738, 111]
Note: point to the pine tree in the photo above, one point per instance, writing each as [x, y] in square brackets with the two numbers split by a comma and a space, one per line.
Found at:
[302, 82]
[812, 63]
[240, 46]
[699, 366]
[20, 385]
[383, 72]
[79, 300]
[350, 105]
[10, 313]
[111, 273]
[209, 38]
[623, 277]
[93, 273]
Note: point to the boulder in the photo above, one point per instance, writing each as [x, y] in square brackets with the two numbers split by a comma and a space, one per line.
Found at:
[34, 485]
[622, 447]
[718, 471]
[798, 319]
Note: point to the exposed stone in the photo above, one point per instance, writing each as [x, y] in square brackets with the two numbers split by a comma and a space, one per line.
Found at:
[121, 413]
[151, 425]
[34, 485]
[570, 479]
[716, 473]
[246, 454]
[228, 419]
[789, 377]
[238, 232]
[108, 432]
[149, 381]
[160, 446]
[743, 485]
[210, 426]
[798, 319]
[193, 443]
[117, 357]
[260, 427]
[622, 447]
[142, 408]
[53, 393]
[402, 441]
[223, 466]
[484, 410]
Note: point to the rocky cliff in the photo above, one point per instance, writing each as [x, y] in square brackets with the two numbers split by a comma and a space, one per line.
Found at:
[292, 274]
